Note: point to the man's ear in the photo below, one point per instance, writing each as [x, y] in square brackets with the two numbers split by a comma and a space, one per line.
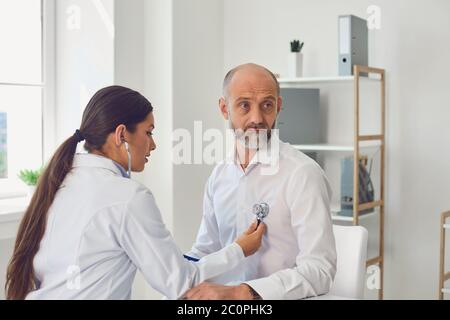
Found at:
[279, 104]
[223, 108]
[120, 134]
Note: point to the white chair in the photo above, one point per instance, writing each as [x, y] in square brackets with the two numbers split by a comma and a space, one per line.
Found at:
[351, 249]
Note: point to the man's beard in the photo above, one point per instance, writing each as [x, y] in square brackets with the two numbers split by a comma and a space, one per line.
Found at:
[253, 139]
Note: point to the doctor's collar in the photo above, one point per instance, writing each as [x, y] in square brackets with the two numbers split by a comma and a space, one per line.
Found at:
[123, 172]
[98, 161]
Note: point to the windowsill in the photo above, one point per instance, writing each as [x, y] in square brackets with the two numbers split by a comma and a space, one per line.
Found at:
[12, 209]
[12, 195]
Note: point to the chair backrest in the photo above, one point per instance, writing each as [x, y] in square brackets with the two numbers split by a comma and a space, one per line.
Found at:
[351, 250]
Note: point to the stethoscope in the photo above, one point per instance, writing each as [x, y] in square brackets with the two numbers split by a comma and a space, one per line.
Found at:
[261, 210]
[129, 158]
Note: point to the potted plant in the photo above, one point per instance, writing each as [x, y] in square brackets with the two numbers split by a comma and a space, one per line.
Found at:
[296, 59]
[30, 178]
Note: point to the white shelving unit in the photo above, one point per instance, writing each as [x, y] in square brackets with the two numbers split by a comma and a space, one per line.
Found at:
[359, 142]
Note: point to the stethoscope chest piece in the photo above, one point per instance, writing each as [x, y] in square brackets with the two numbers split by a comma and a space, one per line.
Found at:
[261, 210]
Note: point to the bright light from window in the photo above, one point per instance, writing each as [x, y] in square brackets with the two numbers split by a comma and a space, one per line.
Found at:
[22, 106]
[21, 45]
[20, 91]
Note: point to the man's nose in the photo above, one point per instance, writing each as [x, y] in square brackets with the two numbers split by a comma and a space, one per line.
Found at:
[255, 116]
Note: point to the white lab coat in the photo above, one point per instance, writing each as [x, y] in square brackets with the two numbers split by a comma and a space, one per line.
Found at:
[101, 228]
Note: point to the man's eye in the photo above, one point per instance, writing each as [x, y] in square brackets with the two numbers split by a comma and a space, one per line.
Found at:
[268, 105]
[244, 105]
[149, 133]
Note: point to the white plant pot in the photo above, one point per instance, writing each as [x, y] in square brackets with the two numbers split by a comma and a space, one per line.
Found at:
[31, 190]
[295, 65]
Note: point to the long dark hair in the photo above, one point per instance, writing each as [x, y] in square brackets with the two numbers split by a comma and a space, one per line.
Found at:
[107, 109]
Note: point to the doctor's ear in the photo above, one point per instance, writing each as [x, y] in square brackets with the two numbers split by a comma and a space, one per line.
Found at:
[120, 135]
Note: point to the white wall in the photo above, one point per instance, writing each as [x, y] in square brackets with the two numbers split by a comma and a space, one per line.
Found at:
[157, 69]
[413, 47]
[6, 249]
[197, 78]
[84, 58]
[129, 44]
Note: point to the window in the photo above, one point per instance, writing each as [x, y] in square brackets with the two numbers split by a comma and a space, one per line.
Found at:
[21, 91]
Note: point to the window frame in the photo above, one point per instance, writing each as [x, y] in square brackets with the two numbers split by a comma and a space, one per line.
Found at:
[47, 85]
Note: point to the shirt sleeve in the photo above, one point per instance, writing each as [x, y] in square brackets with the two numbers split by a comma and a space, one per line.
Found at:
[308, 196]
[208, 237]
[150, 246]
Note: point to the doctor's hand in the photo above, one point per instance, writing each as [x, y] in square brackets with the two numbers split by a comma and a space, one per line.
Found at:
[212, 291]
[250, 240]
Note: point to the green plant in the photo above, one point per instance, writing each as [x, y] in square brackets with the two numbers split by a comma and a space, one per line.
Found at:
[30, 177]
[296, 46]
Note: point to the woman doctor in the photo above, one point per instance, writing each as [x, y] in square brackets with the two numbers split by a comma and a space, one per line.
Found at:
[89, 227]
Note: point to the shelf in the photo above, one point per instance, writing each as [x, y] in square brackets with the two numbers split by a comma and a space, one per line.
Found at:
[335, 208]
[336, 217]
[335, 147]
[286, 82]
[315, 80]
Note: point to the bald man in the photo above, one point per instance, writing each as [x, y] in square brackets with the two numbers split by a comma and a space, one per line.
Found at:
[297, 258]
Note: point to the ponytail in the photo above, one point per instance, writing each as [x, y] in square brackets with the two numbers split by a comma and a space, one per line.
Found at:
[20, 278]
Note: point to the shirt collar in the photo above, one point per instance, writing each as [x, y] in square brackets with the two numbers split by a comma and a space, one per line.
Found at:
[96, 161]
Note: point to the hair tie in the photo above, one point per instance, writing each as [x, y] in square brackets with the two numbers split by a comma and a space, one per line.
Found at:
[78, 135]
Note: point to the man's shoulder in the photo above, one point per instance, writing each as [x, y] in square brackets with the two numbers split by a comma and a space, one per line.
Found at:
[301, 169]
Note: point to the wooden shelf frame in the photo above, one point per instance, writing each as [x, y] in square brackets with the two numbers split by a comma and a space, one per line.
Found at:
[357, 207]
[443, 275]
